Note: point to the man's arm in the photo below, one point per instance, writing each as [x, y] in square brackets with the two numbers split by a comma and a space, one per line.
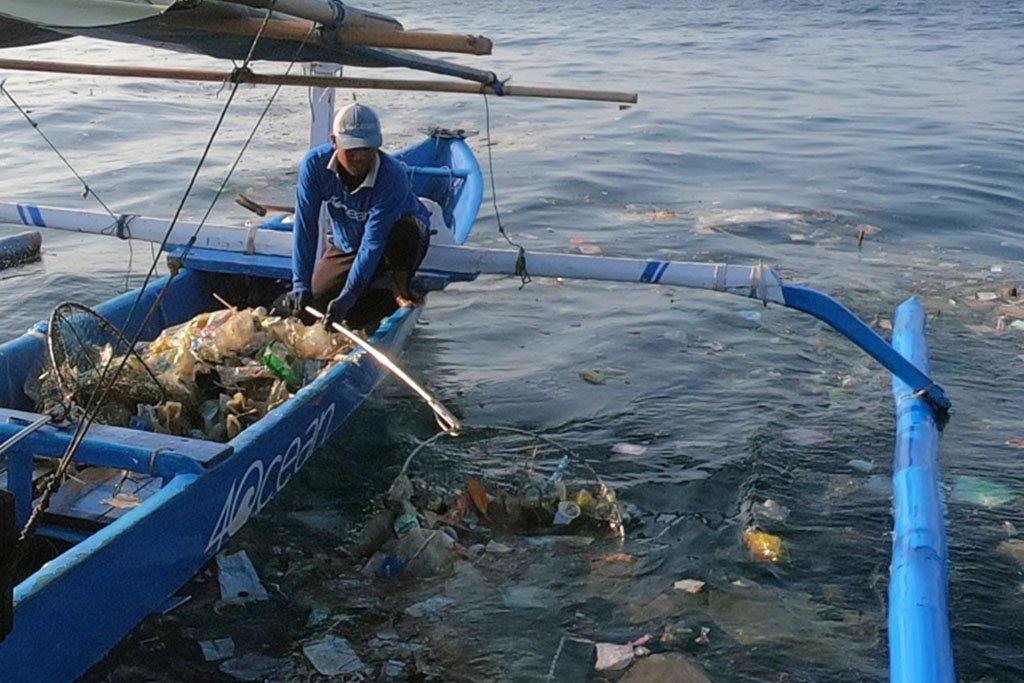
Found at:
[375, 239]
[306, 229]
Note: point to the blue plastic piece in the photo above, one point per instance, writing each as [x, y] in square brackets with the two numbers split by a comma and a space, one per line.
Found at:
[920, 650]
[839, 318]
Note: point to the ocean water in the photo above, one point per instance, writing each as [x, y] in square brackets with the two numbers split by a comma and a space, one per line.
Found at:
[766, 131]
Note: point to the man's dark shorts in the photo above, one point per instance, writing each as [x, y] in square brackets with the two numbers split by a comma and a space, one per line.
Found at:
[403, 254]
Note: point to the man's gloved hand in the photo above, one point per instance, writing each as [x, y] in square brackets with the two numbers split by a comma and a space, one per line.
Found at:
[296, 301]
[334, 314]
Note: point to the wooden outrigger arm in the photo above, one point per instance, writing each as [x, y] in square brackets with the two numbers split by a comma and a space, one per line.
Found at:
[759, 282]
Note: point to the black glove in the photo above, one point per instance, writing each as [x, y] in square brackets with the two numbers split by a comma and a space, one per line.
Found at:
[296, 301]
[333, 314]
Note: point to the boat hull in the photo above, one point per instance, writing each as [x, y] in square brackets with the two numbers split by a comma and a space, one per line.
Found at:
[77, 607]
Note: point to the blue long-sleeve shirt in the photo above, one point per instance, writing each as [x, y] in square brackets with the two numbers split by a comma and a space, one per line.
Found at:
[361, 219]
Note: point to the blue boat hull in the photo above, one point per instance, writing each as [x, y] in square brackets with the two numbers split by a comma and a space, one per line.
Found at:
[75, 608]
[81, 604]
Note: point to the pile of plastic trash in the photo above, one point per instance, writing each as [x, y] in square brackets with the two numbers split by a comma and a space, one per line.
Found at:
[218, 373]
[421, 530]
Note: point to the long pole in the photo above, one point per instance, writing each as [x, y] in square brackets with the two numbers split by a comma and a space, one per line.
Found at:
[368, 36]
[317, 81]
[919, 639]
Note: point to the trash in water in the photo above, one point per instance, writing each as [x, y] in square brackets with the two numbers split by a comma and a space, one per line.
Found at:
[613, 657]
[239, 582]
[703, 639]
[1009, 528]
[251, 667]
[860, 465]
[978, 491]
[770, 509]
[762, 545]
[393, 668]
[566, 513]
[217, 649]
[629, 449]
[601, 375]
[995, 268]
[986, 296]
[333, 656]
[692, 586]
[805, 436]
[671, 666]
[430, 608]
[751, 316]
[497, 548]
[1014, 549]
[617, 558]
[526, 597]
[317, 616]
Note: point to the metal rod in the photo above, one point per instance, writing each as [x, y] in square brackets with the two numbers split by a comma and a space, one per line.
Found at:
[319, 81]
[448, 422]
[24, 433]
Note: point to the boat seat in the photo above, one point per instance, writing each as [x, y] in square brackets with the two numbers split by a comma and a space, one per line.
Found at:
[119, 447]
[160, 456]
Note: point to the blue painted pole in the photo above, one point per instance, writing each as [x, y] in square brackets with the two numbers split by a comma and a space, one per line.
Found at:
[843, 321]
[920, 650]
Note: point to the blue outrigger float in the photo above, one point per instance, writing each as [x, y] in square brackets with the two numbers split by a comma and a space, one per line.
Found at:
[117, 566]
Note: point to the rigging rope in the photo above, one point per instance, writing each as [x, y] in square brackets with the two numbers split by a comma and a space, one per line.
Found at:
[99, 397]
[521, 271]
[120, 222]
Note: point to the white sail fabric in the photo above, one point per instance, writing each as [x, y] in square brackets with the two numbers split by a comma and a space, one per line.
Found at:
[81, 13]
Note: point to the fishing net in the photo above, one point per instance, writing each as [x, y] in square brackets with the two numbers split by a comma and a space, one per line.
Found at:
[85, 352]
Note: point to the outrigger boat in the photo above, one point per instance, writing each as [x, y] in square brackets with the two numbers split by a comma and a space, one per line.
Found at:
[117, 566]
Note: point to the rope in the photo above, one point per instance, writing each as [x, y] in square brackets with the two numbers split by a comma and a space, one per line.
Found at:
[99, 397]
[521, 272]
[86, 188]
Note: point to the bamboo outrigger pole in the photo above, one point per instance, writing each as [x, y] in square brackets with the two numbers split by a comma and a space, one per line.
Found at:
[317, 81]
[368, 36]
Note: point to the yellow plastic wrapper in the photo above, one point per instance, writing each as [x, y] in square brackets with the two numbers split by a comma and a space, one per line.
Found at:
[762, 545]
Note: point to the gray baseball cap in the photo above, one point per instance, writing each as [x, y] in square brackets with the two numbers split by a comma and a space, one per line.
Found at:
[357, 126]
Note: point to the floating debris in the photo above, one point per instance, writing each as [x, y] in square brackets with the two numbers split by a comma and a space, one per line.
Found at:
[860, 465]
[692, 586]
[592, 377]
[671, 667]
[805, 436]
[333, 656]
[978, 491]
[762, 545]
[986, 296]
[239, 582]
[751, 316]
[217, 649]
[252, 667]
[613, 657]
[430, 608]
[770, 509]
[1014, 549]
[632, 449]
[527, 597]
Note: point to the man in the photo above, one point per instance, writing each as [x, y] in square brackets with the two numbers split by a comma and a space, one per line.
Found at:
[378, 226]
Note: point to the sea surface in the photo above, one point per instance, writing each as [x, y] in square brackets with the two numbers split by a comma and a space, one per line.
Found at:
[765, 131]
